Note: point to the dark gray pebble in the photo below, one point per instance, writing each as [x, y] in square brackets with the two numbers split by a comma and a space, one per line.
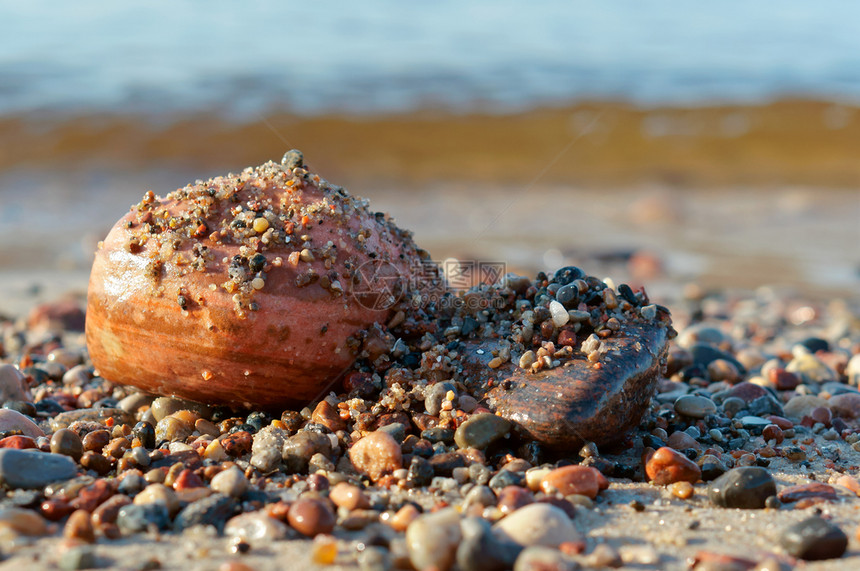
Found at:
[420, 472]
[506, 478]
[136, 518]
[438, 434]
[814, 538]
[212, 510]
[746, 487]
[31, 469]
[479, 550]
[703, 354]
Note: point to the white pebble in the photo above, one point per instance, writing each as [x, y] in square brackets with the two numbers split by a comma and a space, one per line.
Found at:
[559, 314]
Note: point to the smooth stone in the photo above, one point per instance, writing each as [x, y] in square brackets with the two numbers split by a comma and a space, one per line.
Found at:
[746, 391]
[12, 384]
[23, 521]
[799, 492]
[212, 510]
[695, 406]
[349, 496]
[680, 440]
[396, 430]
[667, 466]
[67, 443]
[481, 430]
[746, 487]
[753, 422]
[765, 405]
[432, 539]
[852, 370]
[165, 406]
[159, 494]
[802, 405]
[480, 550]
[11, 420]
[30, 469]
[256, 526]
[230, 482]
[135, 518]
[135, 401]
[537, 524]
[100, 415]
[310, 517]
[539, 558]
[814, 539]
[581, 480]
[563, 407]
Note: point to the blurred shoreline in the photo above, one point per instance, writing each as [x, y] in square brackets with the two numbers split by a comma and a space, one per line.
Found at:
[730, 196]
[786, 142]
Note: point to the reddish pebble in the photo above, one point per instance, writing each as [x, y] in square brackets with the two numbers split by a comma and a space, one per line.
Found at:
[328, 416]
[815, 490]
[18, 442]
[747, 391]
[404, 516]
[311, 516]
[187, 479]
[90, 497]
[821, 414]
[55, 509]
[773, 432]
[680, 440]
[667, 466]
[512, 498]
[783, 380]
[348, 496]
[109, 510]
[376, 454]
[278, 510]
[567, 338]
[80, 527]
[234, 566]
[781, 422]
[96, 440]
[238, 443]
[582, 480]
[96, 462]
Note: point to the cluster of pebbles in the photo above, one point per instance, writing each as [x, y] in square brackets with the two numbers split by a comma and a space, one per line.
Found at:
[756, 413]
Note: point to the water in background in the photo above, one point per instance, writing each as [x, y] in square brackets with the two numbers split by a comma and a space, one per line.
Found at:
[388, 55]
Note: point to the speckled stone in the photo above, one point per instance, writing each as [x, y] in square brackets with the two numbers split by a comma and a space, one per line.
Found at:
[231, 482]
[746, 487]
[135, 518]
[376, 454]
[814, 539]
[212, 510]
[802, 405]
[64, 419]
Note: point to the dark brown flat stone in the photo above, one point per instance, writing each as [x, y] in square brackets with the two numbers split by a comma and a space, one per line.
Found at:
[579, 401]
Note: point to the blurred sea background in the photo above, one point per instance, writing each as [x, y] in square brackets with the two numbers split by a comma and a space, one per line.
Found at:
[664, 143]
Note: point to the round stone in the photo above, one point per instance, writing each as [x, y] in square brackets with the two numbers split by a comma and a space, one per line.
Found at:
[813, 539]
[695, 406]
[67, 443]
[537, 524]
[666, 466]
[747, 487]
[582, 480]
[481, 430]
[310, 517]
[231, 482]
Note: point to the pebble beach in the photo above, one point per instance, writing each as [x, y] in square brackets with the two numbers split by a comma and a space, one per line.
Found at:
[745, 457]
[624, 325]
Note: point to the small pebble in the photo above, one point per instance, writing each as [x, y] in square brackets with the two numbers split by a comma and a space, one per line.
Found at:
[376, 454]
[537, 524]
[747, 488]
[814, 539]
[310, 517]
[666, 466]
